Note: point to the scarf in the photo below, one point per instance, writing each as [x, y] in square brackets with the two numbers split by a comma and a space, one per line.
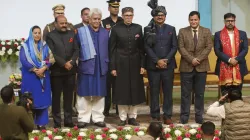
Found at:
[230, 75]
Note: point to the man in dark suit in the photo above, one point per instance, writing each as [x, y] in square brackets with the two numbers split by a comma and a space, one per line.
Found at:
[160, 63]
[194, 44]
[85, 18]
[231, 47]
[15, 121]
[65, 49]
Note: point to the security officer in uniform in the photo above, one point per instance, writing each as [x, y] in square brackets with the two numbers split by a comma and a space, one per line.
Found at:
[58, 10]
[113, 19]
[108, 23]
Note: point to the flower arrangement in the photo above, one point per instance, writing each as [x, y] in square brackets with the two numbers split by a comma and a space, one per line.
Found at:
[170, 132]
[15, 80]
[9, 49]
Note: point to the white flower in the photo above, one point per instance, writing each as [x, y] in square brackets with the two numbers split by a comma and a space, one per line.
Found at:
[166, 130]
[194, 125]
[19, 47]
[31, 138]
[65, 130]
[49, 132]
[158, 139]
[82, 134]
[3, 48]
[186, 139]
[8, 43]
[16, 43]
[2, 53]
[192, 131]
[219, 133]
[98, 130]
[140, 133]
[58, 138]
[17, 53]
[35, 131]
[112, 130]
[9, 51]
[169, 138]
[113, 136]
[99, 137]
[83, 129]
[143, 128]
[74, 139]
[177, 132]
[46, 138]
[127, 128]
[3, 43]
[127, 137]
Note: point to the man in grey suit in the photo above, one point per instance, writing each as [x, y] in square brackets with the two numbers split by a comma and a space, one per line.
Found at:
[194, 44]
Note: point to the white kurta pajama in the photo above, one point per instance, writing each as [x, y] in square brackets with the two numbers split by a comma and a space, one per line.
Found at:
[90, 105]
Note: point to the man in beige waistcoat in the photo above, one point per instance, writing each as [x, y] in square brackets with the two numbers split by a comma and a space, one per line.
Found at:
[235, 115]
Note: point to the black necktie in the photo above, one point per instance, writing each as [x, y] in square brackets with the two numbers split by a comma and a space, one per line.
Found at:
[195, 38]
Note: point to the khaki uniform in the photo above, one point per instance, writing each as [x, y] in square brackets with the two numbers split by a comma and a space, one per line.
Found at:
[51, 26]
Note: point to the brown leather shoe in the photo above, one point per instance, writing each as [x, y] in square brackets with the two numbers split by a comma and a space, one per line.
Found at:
[168, 121]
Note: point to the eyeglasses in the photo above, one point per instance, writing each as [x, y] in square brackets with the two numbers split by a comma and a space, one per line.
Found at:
[128, 15]
[229, 21]
[160, 15]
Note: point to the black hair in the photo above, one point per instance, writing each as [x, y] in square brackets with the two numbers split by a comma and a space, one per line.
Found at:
[155, 129]
[35, 27]
[229, 15]
[7, 94]
[194, 13]
[208, 128]
[235, 94]
[86, 8]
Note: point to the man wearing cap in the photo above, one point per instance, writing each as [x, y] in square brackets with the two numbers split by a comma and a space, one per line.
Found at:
[85, 18]
[58, 10]
[108, 23]
[127, 66]
[161, 47]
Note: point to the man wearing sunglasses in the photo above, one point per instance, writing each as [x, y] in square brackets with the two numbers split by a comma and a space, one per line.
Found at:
[108, 23]
[231, 47]
[58, 10]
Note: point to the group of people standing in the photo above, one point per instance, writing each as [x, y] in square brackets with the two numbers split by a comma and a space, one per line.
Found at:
[99, 55]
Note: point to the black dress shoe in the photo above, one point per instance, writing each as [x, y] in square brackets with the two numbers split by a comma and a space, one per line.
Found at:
[81, 124]
[122, 123]
[70, 125]
[100, 124]
[106, 113]
[132, 121]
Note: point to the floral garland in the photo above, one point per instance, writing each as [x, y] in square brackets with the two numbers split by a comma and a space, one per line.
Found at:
[9, 49]
[170, 132]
